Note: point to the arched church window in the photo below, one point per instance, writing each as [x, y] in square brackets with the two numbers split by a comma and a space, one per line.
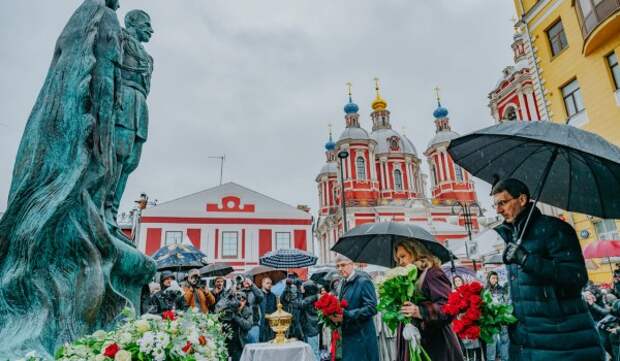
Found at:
[360, 164]
[458, 171]
[398, 180]
[510, 113]
[433, 175]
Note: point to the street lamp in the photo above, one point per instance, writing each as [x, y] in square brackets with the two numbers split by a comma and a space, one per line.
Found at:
[465, 209]
[342, 155]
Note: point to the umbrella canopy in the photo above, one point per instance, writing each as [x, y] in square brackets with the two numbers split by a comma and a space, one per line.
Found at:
[259, 272]
[602, 249]
[216, 269]
[557, 162]
[288, 258]
[179, 257]
[374, 242]
[325, 277]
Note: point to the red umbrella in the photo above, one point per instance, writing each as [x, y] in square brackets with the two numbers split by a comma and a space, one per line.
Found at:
[603, 249]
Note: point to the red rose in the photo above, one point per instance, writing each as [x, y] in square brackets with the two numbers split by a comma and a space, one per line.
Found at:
[475, 300]
[476, 287]
[457, 326]
[344, 304]
[111, 350]
[168, 315]
[188, 347]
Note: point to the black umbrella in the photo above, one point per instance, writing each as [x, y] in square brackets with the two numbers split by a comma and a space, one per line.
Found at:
[374, 242]
[216, 269]
[564, 166]
[325, 276]
[259, 272]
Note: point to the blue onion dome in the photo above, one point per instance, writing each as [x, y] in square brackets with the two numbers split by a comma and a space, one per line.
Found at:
[330, 145]
[351, 108]
[440, 112]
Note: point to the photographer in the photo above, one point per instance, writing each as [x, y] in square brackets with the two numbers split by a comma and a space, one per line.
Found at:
[290, 299]
[169, 297]
[218, 291]
[197, 295]
[254, 297]
[237, 317]
[309, 317]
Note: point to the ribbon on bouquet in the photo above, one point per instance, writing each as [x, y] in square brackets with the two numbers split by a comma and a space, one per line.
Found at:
[334, 343]
[412, 335]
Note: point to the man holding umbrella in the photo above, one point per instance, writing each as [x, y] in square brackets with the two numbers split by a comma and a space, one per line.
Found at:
[546, 272]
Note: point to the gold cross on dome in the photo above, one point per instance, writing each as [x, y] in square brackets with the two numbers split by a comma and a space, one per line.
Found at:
[377, 85]
[437, 93]
[349, 86]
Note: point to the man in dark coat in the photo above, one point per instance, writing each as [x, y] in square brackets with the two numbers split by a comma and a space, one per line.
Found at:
[268, 306]
[169, 297]
[546, 273]
[359, 337]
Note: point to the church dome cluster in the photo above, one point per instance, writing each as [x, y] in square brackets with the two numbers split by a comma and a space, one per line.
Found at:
[383, 165]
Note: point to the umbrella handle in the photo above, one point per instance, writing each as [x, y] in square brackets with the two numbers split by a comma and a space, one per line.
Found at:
[539, 189]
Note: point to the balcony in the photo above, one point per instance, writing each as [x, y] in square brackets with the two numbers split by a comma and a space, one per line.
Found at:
[599, 21]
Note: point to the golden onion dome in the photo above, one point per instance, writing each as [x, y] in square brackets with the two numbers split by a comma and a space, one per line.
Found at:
[379, 103]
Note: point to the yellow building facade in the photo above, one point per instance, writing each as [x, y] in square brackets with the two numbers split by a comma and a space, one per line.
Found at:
[573, 48]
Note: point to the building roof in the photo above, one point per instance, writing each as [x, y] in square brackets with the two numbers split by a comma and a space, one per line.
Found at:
[382, 136]
[226, 201]
[354, 133]
[442, 137]
[328, 168]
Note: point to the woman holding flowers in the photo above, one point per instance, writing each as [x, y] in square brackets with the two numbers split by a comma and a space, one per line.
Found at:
[437, 338]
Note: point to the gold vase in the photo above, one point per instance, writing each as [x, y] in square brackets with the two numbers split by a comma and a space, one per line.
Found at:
[280, 321]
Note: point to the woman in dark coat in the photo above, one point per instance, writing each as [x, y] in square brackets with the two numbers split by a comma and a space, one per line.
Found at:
[438, 339]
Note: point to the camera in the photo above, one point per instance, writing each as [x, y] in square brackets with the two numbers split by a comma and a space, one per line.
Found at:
[239, 279]
[228, 305]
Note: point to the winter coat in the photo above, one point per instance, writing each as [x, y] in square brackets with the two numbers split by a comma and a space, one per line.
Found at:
[309, 317]
[553, 320]
[290, 303]
[166, 300]
[205, 298]
[240, 324]
[359, 337]
[438, 339]
[255, 297]
[268, 306]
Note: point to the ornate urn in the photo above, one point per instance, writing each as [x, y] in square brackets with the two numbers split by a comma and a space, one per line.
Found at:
[279, 322]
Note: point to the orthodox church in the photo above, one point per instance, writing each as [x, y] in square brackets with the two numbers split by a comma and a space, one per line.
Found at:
[377, 175]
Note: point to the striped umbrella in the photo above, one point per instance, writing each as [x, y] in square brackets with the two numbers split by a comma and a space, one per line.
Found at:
[288, 258]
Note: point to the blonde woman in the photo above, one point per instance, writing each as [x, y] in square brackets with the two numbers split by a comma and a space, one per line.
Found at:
[438, 339]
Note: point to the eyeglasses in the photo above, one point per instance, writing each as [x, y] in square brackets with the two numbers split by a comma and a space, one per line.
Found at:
[343, 265]
[502, 203]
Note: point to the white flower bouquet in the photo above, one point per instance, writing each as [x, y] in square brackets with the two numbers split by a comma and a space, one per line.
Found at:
[174, 336]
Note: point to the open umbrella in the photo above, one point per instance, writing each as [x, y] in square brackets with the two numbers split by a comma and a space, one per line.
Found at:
[374, 242]
[179, 257]
[216, 269]
[325, 277]
[288, 258]
[564, 166]
[259, 272]
[603, 249]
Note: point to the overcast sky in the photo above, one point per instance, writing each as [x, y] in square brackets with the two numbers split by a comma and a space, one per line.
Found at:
[259, 81]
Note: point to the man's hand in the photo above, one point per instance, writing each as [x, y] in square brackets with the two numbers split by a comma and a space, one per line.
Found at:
[410, 310]
[336, 318]
[514, 254]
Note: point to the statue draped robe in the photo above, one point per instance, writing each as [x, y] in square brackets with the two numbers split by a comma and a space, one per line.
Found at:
[62, 273]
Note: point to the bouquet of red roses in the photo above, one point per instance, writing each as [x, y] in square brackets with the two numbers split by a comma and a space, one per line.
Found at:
[477, 315]
[329, 305]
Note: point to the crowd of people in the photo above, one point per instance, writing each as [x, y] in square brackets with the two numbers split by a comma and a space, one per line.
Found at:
[560, 315]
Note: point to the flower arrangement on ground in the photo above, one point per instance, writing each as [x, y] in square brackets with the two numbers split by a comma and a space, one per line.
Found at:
[477, 315]
[174, 336]
[397, 287]
[329, 305]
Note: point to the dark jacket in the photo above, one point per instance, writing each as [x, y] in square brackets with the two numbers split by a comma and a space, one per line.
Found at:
[255, 297]
[268, 306]
[438, 339]
[359, 337]
[165, 300]
[240, 324]
[290, 303]
[554, 322]
[309, 317]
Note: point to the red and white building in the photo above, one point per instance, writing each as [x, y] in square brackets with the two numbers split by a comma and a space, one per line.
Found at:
[229, 223]
[383, 180]
[514, 96]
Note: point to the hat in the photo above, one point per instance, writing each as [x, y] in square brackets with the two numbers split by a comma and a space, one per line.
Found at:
[167, 274]
[193, 272]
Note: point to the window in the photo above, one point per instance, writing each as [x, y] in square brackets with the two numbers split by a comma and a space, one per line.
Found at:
[594, 12]
[360, 164]
[572, 98]
[283, 240]
[612, 60]
[230, 244]
[510, 113]
[433, 175]
[398, 180]
[174, 237]
[606, 229]
[458, 171]
[557, 38]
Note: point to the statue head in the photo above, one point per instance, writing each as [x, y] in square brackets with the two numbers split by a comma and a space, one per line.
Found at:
[139, 23]
[112, 4]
